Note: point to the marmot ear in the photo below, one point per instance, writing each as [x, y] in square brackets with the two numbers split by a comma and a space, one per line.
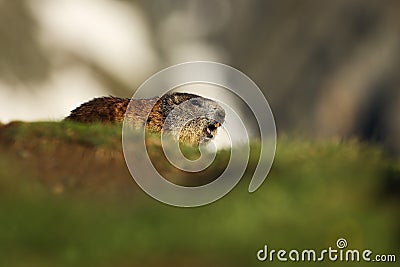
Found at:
[176, 100]
[167, 101]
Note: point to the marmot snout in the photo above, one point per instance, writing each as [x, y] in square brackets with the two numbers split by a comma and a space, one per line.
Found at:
[189, 118]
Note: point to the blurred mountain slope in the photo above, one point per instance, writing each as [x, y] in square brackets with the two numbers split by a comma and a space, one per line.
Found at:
[328, 68]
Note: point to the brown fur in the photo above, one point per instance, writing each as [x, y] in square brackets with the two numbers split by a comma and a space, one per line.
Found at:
[113, 109]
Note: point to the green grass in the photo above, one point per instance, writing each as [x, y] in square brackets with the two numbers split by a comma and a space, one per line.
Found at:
[67, 132]
[66, 199]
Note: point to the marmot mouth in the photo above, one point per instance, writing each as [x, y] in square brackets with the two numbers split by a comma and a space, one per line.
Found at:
[210, 129]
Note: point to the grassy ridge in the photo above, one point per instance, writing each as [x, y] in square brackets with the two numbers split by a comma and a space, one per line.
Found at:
[67, 199]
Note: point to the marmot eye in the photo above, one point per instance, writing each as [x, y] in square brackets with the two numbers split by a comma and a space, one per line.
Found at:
[195, 102]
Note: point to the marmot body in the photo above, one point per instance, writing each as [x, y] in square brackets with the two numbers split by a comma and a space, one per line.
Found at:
[189, 118]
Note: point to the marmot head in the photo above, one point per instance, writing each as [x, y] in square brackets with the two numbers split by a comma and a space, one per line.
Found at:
[191, 118]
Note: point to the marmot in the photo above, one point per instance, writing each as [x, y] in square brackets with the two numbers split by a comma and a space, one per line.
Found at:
[199, 116]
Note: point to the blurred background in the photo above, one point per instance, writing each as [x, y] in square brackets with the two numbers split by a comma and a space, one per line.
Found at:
[327, 68]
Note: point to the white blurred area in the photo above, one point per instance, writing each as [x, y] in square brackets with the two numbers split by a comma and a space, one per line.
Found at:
[110, 35]
[183, 32]
[81, 37]
[53, 99]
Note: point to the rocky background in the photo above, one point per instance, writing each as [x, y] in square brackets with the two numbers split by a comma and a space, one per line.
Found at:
[328, 68]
